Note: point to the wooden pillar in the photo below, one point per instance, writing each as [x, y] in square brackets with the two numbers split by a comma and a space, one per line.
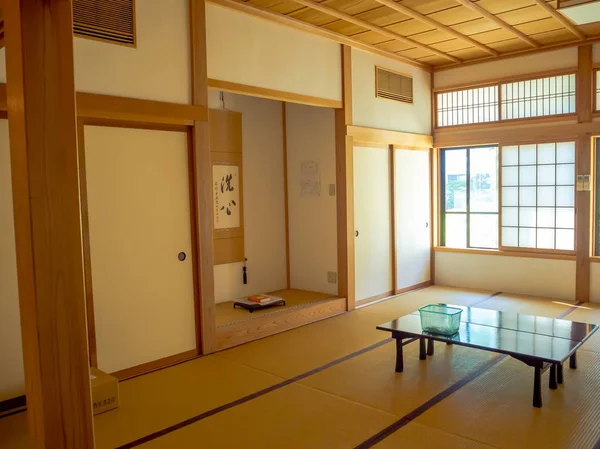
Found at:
[202, 179]
[345, 185]
[583, 166]
[43, 146]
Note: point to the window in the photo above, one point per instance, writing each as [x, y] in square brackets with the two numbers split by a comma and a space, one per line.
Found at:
[467, 106]
[538, 97]
[538, 196]
[534, 98]
[470, 197]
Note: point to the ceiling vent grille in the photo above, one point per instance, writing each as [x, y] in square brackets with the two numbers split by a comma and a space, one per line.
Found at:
[393, 86]
[106, 20]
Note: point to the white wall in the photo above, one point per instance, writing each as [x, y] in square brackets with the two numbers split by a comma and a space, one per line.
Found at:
[264, 211]
[158, 69]
[369, 110]
[11, 355]
[519, 65]
[249, 50]
[312, 219]
[595, 282]
[549, 278]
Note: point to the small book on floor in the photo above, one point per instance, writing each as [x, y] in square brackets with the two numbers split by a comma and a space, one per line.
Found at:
[259, 299]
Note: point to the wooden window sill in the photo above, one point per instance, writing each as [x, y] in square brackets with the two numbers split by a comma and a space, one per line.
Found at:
[495, 252]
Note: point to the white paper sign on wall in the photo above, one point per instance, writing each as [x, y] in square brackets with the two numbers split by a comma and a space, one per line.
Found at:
[310, 179]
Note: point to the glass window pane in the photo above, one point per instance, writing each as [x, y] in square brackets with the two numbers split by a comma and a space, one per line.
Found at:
[527, 237]
[565, 152]
[456, 230]
[456, 180]
[565, 218]
[510, 196]
[527, 176]
[484, 179]
[510, 237]
[484, 231]
[545, 238]
[565, 239]
[565, 174]
[527, 217]
[510, 155]
[510, 216]
[527, 196]
[545, 217]
[565, 196]
[546, 175]
[527, 155]
[546, 196]
[510, 176]
[546, 153]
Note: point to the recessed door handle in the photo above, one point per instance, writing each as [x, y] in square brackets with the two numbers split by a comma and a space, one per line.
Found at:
[356, 233]
[426, 225]
[181, 256]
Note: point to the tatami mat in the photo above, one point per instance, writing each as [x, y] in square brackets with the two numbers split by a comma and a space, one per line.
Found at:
[295, 417]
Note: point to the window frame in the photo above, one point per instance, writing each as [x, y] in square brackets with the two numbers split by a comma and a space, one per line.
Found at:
[595, 175]
[467, 213]
[521, 249]
[498, 83]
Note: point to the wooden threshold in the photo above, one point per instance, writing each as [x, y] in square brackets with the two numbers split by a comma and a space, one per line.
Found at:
[273, 94]
[269, 324]
[492, 252]
[373, 299]
[155, 365]
[402, 291]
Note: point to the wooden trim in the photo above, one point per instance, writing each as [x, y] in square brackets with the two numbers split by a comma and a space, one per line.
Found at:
[286, 205]
[363, 302]
[381, 146]
[501, 23]
[507, 79]
[437, 25]
[13, 405]
[87, 261]
[584, 84]
[318, 31]
[392, 173]
[376, 28]
[265, 325]
[92, 121]
[434, 167]
[492, 252]
[45, 183]
[155, 365]
[507, 123]
[595, 259]
[272, 94]
[520, 249]
[135, 110]
[414, 287]
[347, 84]
[560, 18]
[399, 139]
[547, 133]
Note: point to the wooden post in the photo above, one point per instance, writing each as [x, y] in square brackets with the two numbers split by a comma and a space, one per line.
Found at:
[44, 163]
[583, 162]
[202, 179]
[345, 182]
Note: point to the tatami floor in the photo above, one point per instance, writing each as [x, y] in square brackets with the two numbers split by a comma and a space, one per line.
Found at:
[332, 385]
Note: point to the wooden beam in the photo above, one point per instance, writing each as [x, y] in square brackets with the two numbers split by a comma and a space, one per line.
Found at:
[386, 137]
[437, 25]
[344, 151]
[583, 166]
[286, 202]
[562, 19]
[375, 28]
[43, 141]
[202, 180]
[318, 31]
[273, 94]
[501, 23]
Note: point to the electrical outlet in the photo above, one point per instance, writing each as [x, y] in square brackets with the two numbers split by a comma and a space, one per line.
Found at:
[331, 189]
[332, 277]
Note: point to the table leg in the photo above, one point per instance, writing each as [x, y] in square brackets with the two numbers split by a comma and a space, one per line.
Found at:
[559, 373]
[399, 356]
[573, 361]
[537, 387]
[429, 346]
[422, 353]
[552, 384]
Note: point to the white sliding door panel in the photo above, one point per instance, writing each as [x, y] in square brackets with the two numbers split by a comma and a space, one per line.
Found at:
[412, 210]
[372, 221]
[139, 222]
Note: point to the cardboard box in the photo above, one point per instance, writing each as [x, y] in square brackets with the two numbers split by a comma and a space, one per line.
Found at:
[105, 391]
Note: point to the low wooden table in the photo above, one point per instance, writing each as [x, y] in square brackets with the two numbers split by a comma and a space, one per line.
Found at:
[536, 341]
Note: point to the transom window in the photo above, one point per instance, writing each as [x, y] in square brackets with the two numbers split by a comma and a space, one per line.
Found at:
[538, 196]
[469, 197]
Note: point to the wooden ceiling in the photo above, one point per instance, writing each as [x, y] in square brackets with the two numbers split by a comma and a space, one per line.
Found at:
[434, 34]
